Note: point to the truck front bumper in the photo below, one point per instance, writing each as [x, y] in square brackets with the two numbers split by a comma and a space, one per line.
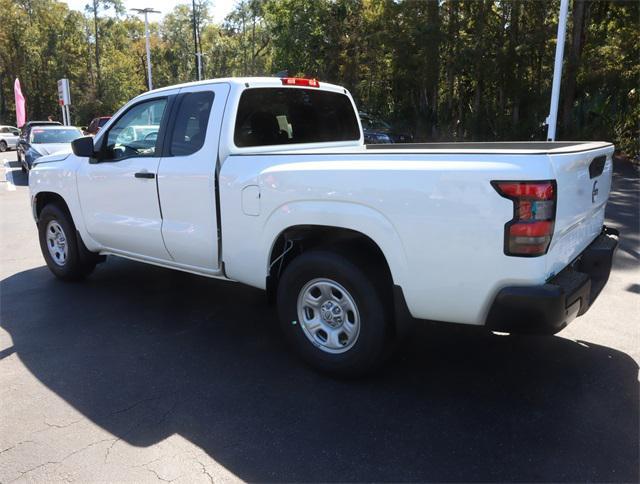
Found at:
[548, 308]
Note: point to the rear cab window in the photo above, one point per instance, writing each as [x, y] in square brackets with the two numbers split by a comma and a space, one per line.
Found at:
[191, 123]
[280, 116]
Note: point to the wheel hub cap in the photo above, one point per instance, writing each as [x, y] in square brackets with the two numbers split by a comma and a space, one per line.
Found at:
[57, 243]
[332, 314]
[328, 315]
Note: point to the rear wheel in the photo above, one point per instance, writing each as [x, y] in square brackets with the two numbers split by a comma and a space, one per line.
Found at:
[65, 254]
[3, 146]
[334, 314]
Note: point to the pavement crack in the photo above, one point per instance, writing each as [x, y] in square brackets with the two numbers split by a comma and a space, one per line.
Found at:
[51, 462]
[205, 471]
[136, 425]
[16, 445]
[57, 426]
[134, 405]
[158, 476]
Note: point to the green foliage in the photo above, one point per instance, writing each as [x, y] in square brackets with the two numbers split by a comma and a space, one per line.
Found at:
[442, 69]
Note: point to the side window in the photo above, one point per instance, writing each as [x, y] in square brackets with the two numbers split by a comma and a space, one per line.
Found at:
[4, 130]
[191, 122]
[136, 132]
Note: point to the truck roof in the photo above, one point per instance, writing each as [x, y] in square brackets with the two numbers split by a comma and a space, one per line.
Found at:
[247, 82]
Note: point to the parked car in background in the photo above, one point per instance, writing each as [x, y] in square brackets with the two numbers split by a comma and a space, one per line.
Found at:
[25, 133]
[47, 140]
[8, 138]
[96, 124]
[377, 131]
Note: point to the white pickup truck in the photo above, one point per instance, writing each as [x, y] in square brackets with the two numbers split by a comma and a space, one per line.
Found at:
[267, 182]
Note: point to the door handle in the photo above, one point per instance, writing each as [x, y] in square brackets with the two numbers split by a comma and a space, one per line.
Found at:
[145, 174]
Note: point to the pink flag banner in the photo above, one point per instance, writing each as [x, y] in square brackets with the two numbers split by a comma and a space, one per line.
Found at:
[21, 115]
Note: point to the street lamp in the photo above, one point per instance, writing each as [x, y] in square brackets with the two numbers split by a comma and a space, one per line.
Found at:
[146, 12]
[552, 119]
[196, 41]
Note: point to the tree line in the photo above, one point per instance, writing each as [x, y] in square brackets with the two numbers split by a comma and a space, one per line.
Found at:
[440, 69]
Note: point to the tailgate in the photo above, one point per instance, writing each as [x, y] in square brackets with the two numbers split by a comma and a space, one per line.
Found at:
[584, 182]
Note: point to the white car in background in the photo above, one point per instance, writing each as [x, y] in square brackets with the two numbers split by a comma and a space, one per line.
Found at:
[8, 138]
[47, 140]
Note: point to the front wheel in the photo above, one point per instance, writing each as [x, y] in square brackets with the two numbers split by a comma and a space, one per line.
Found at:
[63, 252]
[3, 146]
[334, 313]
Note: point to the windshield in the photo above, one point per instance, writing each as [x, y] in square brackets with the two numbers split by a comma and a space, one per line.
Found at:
[103, 121]
[373, 123]
[41, 136]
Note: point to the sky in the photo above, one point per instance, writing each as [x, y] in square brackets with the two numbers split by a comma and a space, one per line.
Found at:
[219, 8]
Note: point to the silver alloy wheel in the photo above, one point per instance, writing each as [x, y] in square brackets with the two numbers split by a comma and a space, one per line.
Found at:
[328, 315]
[57, 243]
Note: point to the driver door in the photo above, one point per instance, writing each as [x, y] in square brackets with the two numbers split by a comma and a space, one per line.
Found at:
[118, 190]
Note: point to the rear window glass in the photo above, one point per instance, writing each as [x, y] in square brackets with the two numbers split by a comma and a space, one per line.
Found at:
[280, 116]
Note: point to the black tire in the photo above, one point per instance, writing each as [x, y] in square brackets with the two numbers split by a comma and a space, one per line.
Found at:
[3, 146]
[79, 262]
[373, 305]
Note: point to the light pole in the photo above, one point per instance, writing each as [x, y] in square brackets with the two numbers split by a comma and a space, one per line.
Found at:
[196, 41]
[552, 119]
[146, 12]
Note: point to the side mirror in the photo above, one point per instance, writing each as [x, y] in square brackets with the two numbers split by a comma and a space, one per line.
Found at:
[83, 147]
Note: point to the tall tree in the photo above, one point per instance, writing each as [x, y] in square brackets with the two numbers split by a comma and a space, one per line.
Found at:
[94, 9]
[579, 15]
[440, 69]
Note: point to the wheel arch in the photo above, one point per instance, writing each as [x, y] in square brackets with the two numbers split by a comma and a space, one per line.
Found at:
[44, 198]
[356, 246]
[296, 239]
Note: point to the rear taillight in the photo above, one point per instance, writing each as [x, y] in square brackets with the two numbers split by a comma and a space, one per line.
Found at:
[528, 233]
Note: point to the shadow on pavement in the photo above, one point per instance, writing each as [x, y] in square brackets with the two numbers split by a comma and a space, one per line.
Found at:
[623, 213]
[145, 353]
[17, 176]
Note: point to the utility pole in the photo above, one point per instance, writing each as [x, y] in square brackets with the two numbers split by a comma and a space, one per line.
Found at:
[552, 119]
[146, 12]
[196, 42]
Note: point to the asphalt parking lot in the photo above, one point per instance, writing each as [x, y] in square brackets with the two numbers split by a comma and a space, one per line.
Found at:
[145, 374]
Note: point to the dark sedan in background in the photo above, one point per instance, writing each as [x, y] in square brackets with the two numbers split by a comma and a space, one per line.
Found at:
[46, 140]
[377, 131]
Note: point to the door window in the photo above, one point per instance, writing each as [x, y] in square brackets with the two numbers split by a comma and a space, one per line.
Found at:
[136, 132]
[191, 122]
